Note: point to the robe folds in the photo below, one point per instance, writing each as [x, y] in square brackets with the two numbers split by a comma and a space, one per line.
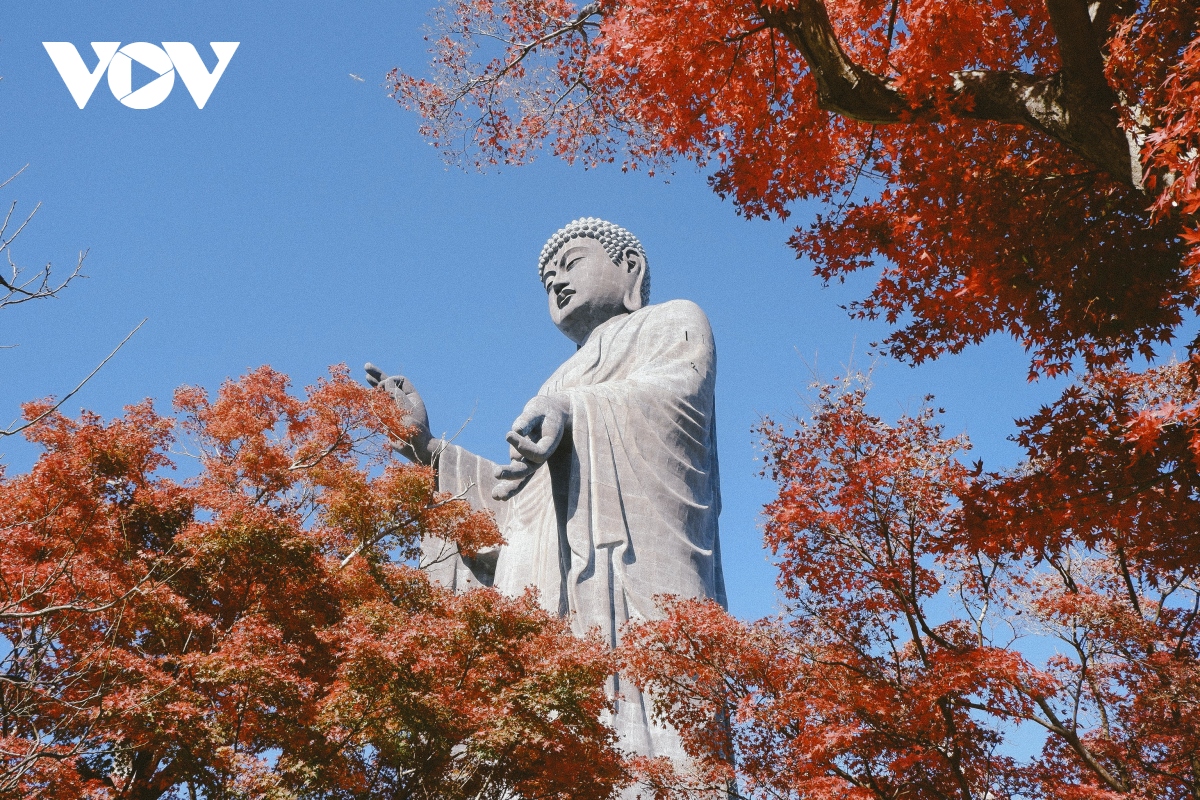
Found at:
[626, 508]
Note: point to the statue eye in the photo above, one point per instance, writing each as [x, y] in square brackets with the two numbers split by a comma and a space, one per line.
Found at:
[573, 262]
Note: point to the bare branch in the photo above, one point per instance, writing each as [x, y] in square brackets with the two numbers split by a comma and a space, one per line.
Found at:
[16, 288]
[578, 25]
[136, 589]
[15, 429]
[13, 177]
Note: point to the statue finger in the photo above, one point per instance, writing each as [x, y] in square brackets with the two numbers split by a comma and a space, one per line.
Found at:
[550, 435]
[375, 375]
[542, 449]
[526, 422]
[515, 471]
[552, 432]
[525, 448]
[506, 489]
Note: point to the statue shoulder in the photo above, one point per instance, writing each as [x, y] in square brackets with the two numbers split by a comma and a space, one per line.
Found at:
[678, 313]
[682, 312]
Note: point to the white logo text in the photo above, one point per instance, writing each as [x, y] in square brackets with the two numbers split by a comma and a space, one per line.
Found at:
[171, 58]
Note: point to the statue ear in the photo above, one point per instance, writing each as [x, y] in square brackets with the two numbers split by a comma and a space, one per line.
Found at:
[635, 265]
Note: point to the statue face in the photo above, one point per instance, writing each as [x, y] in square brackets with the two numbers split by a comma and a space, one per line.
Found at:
[586, 288]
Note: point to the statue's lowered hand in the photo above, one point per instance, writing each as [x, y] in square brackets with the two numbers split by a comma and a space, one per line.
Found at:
[537, 431]
[535, 435]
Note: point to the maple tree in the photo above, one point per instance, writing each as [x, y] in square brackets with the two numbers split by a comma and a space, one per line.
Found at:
[897, 668]
[262, 628]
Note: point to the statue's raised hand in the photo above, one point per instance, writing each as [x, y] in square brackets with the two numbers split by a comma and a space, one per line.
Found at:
[534, 437]
[420, 446]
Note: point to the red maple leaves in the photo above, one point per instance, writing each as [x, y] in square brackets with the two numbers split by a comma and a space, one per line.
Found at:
[1019, 167]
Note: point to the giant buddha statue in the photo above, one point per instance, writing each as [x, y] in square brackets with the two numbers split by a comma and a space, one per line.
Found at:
[611, 495]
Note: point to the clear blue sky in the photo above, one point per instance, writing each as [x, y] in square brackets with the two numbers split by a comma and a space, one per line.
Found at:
[299, 220]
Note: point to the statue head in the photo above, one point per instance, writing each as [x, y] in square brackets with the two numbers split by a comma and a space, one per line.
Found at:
[593, 271]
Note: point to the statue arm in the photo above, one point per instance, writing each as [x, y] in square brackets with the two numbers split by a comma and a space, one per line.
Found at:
[463, 474]
[458, 473]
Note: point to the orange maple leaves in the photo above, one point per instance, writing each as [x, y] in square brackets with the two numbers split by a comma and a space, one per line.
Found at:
[259, 628]
[901, 666]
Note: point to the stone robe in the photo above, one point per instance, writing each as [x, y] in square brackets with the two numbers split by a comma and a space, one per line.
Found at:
[626, 508]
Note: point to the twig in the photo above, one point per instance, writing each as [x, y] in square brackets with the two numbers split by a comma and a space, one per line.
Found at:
[13, 177]
[10, 430]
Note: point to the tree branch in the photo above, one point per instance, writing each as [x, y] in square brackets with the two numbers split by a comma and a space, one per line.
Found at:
[15, 429]
[842, 85]
[1072, 738]
[1075, 106]
[1082, 61]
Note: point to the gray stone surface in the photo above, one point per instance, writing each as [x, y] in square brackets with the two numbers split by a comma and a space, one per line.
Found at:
[612, 493]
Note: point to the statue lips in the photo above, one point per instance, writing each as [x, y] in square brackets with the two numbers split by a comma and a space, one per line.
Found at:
[564, 297]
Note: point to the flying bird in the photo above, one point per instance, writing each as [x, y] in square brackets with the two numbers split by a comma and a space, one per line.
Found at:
[357, 78]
